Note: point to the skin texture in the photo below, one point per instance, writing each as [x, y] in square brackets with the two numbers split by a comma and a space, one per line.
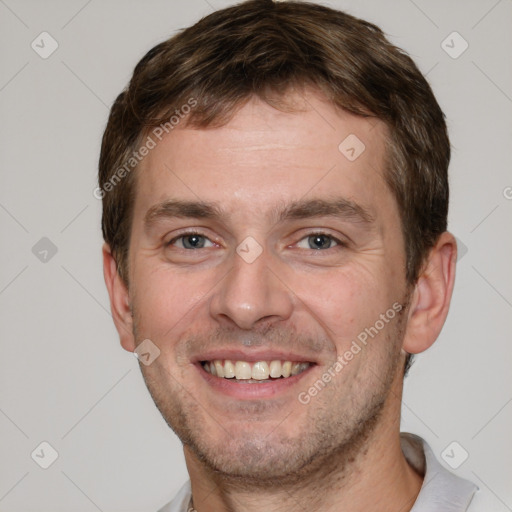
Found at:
[341, 451]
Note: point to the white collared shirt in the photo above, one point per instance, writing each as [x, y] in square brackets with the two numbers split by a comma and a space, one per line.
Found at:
[441, 491]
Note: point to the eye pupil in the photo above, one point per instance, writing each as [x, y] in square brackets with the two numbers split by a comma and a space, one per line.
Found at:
[319, 242]
[193, 241]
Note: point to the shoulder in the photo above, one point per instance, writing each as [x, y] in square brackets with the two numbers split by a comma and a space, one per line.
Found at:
[484, 502]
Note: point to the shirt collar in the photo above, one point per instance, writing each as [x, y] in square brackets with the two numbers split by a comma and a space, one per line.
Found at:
[441, 490]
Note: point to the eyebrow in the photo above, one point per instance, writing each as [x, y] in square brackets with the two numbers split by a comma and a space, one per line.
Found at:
[343, 208]
[185, 209]
[339, 207]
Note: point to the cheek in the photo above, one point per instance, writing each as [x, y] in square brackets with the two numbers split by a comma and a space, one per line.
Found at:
[343, 302]
[166, 303]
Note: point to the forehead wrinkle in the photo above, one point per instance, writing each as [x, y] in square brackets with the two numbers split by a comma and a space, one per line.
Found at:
[259, 147]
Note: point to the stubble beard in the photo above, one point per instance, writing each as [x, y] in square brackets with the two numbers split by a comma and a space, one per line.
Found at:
[333, 438]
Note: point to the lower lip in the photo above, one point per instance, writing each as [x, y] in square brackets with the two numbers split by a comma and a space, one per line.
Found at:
[254, 391]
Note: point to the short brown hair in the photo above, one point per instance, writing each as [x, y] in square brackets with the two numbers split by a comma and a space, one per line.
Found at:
[263, 48]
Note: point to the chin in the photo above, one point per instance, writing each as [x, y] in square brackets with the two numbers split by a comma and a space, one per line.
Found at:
[255, 460]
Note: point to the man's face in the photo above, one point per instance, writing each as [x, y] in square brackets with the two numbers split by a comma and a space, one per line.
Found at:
[288, 253]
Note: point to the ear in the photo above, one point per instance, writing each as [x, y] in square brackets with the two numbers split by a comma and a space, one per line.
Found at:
[119, 300]
[431, 296]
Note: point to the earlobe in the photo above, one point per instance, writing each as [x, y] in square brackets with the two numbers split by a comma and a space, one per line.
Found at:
[431, 297]
[119, 300]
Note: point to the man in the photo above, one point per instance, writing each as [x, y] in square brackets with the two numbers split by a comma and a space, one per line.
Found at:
[275, 196]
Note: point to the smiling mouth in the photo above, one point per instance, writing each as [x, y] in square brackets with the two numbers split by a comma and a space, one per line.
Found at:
[254, 372]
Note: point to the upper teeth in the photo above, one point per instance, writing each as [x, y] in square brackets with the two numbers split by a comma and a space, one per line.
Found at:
[259, 370]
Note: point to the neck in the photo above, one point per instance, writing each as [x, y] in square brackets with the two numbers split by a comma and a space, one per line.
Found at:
[375, 471]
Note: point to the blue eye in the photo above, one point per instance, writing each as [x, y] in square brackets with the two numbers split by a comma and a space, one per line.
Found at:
[318, 241]
[191, 241]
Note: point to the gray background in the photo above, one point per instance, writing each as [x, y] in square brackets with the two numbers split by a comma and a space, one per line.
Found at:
[65, 379]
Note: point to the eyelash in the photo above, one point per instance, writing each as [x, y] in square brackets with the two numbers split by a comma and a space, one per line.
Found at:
[339, 242]
[185, 235]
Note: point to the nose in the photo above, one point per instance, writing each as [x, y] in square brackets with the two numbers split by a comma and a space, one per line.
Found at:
[251, 293]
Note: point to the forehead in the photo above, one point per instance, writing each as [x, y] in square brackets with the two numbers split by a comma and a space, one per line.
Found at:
[264, 156]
